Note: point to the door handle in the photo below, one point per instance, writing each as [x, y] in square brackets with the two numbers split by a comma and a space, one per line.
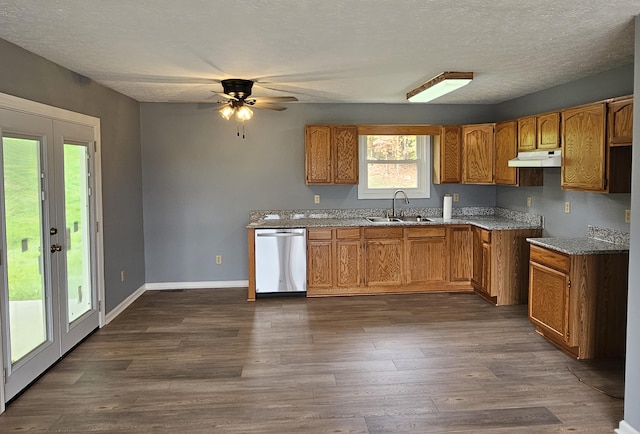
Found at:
[56, 248]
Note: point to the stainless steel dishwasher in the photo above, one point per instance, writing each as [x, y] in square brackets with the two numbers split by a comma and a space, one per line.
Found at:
[281, 261]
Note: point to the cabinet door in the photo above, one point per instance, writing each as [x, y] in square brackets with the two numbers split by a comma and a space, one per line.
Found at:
[345, 143]
[549, 131]
[426, 260]
[476, 276]
[486, 269]
[549, 300]
[319, 264]
[460, 249]
[620, 122]
[447, 155]
[583, 148]
[318, 154]
[348, 266]
[506, 149]
[477, 145]
[383, 262]
[527, 134]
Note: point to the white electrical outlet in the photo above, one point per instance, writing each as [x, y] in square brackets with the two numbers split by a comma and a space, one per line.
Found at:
[218, 259]
[456, 197]
[627, 216]
[316, 198]
[567, 207]
[528, 200]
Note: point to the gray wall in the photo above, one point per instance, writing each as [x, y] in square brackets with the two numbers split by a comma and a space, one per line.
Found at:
[586, 208]
[632, 384]
[200, 180]
[28, 76]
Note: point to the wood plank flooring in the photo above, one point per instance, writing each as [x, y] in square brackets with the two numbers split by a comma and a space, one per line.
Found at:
[207, 361]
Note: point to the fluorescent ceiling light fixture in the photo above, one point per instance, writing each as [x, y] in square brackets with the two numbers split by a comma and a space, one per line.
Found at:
[439, 86]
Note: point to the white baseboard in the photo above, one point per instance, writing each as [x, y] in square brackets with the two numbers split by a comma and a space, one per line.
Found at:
[625, 428]
[161, 286]
[164, 286]
[125, 304]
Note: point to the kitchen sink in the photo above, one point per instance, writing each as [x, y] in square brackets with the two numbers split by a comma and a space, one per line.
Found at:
[397, 219]
[383, 219]
[415, 218]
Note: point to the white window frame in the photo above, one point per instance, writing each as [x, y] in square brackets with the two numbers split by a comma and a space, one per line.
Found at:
[423, 191]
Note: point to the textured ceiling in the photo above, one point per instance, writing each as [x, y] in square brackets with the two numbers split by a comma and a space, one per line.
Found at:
[370, 51]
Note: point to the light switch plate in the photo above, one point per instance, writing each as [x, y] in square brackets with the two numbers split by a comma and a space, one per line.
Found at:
[567, 207]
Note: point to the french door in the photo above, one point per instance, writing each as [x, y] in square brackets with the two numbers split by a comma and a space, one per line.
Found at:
[49, 298]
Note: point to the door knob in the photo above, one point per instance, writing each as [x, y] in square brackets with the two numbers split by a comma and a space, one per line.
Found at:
[53, 231]
[56, 248]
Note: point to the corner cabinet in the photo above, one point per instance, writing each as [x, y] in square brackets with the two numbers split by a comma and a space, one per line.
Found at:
[331, 154]
[578, 302]
[477, 154]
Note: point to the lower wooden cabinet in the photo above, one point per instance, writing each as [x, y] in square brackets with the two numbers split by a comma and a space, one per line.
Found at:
[368, 260]
[500, 264]
[333, 260]
[460, 239]
[384, 256]
[578, 302]
[426, 252]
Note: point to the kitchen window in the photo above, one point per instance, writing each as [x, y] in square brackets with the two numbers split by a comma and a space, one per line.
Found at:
[392, 162]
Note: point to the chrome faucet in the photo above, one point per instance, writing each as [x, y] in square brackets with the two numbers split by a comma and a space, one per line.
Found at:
[393, 206]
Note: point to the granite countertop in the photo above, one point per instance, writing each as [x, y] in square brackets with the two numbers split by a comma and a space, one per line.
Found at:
[484, 222]
[580, 246]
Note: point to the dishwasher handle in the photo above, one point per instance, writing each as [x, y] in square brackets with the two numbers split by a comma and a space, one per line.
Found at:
[281, 234]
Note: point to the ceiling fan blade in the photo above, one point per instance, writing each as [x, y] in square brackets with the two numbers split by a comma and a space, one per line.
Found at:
[224, 95]
[274, 98]
[267, 105]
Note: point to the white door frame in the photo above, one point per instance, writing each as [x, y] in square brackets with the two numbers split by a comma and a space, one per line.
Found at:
[35, 108]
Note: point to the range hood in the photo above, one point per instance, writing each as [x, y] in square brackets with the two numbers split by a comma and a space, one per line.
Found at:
[537, 159]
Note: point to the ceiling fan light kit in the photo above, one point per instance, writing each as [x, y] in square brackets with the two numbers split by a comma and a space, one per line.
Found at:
[440, 85]
[237, 94]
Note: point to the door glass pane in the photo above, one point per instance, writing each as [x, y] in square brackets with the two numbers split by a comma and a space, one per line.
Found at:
[78, 241]
[23, 219]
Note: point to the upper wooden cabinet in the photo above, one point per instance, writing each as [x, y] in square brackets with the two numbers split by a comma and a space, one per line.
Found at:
[548, 135]
[583, 148]
[477, 154]
[505, 149]
[539, 132]
[331, 154]
[620, 121]
[447, 155]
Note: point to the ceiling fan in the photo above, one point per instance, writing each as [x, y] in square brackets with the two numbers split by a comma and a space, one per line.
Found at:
[237, 95]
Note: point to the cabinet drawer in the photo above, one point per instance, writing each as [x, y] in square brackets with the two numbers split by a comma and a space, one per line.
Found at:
[375, 233]
[319, 234]
[549, 258]
[437, 231]
[348, 233]
[485, 236]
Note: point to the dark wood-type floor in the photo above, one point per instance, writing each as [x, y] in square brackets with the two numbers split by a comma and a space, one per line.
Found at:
[206, 361]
